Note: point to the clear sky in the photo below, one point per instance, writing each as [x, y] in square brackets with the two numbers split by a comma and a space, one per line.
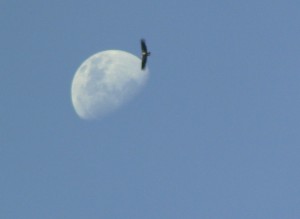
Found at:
[214, 134]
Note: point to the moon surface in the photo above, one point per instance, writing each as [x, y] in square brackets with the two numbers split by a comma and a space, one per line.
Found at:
[105, 81]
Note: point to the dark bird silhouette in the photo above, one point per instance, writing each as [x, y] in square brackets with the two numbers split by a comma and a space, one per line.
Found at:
[145, 53]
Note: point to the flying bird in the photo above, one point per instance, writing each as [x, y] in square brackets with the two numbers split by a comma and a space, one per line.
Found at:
[145, 53]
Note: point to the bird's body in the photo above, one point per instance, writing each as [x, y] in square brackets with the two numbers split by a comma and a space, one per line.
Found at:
[145, 54]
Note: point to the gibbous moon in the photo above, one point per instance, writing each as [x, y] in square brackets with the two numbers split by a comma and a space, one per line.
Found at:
[105, 81]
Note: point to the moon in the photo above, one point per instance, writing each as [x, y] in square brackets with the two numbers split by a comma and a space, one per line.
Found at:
[105, 81]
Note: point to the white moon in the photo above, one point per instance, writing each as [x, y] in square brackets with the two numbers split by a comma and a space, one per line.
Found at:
[105, 81]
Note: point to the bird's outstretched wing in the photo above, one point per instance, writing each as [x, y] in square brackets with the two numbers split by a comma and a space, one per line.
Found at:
[144, 61]
[143, 46]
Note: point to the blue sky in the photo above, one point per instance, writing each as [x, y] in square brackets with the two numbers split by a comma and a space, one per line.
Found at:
[214, 133]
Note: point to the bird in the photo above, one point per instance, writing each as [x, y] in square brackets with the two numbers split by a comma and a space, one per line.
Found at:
[145, 53]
